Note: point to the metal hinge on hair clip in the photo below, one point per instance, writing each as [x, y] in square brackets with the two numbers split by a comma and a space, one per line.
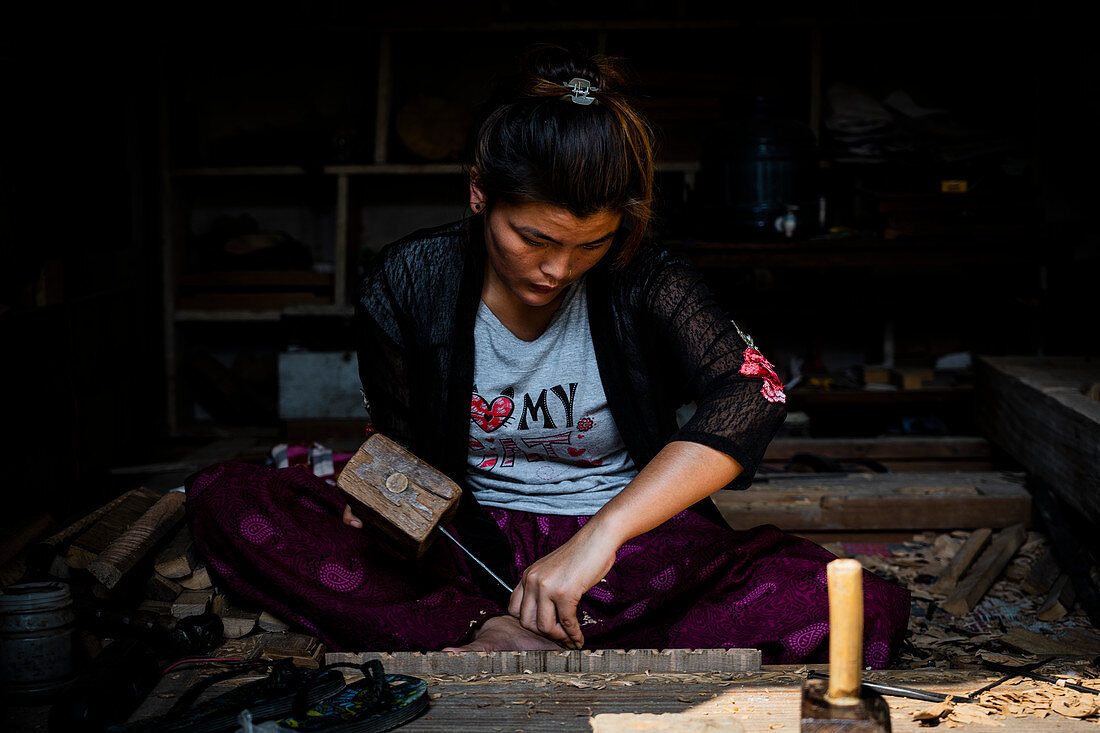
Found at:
[579, 89]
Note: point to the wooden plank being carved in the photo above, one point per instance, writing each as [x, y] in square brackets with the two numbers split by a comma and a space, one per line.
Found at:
[1038, 409]
[566, 661]
[879, 501]
[397, 492]
[133, 544]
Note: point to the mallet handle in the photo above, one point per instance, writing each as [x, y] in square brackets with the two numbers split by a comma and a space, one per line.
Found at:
[845, 631]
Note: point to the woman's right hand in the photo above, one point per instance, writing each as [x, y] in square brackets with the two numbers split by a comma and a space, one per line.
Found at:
[350, 519]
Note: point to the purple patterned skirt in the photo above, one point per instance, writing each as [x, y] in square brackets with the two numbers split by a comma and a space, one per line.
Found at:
[275, 538]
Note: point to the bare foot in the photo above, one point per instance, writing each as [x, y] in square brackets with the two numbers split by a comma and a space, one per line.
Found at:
[504, 634]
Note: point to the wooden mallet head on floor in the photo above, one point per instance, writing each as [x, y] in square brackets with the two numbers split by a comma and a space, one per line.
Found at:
[840, 703]
[399, 494]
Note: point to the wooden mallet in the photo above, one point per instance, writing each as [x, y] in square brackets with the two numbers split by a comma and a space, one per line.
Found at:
[403, 497]
[841, 703]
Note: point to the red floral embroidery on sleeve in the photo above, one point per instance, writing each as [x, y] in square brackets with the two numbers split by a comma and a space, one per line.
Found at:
[757, 366]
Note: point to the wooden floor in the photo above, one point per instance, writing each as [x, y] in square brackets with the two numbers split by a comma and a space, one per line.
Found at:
[762, 701]
[765, 701]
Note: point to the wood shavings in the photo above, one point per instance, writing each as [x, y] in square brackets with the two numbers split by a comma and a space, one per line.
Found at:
[1082, 706]
[934, 712]
[937, 639]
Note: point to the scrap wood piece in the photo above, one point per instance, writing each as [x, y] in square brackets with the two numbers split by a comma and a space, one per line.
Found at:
[1059, 602]
[935, 712]
[271, 622]
[160, 588]
[198, 580]
[1085, 639]
[192, 603]
[99, 529]
[1043, 645]
[179, 558]
[135, 542]
[302, 649]
[961, 561]
[236, 622]
[985, 571]
[683, 722]
[575, 661]
[1042, 575]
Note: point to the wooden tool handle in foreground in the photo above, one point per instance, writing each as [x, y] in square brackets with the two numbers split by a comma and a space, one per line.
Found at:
[845, 631]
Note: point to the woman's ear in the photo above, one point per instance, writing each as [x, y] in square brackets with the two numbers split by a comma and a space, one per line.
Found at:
[477, 198]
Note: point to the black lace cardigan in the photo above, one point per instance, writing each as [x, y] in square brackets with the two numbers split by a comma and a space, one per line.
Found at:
[660, 339]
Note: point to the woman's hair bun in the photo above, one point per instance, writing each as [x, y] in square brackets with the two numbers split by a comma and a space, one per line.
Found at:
[547, 65]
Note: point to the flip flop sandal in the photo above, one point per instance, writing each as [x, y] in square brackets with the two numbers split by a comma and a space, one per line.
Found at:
[378, 702]
[287, 690]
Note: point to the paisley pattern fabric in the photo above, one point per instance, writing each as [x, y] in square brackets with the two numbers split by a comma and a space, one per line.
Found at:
[686, 584]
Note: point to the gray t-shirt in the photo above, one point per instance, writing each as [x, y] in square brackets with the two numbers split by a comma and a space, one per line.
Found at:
[542, 438]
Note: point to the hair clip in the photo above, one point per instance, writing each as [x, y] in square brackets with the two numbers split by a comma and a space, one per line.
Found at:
[579, 89]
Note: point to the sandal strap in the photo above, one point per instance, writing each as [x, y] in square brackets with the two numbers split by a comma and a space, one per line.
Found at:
[375, 675]
[188, 698]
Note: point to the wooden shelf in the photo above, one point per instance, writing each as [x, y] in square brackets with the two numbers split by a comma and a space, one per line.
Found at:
[807, 397]
[203, 315]
[858, 253]
[372, 169]
[243, 315]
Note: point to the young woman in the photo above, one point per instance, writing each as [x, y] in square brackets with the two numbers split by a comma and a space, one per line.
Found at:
[537, 352]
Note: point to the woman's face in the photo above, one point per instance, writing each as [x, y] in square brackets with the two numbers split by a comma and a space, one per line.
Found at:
[537, 250]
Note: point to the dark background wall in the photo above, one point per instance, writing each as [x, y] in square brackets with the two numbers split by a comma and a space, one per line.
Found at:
[81, 176]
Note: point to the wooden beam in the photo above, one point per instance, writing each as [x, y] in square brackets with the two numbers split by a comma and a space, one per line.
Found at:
[579, 661]
[881, 449]
[1038, 410]
[879, 501]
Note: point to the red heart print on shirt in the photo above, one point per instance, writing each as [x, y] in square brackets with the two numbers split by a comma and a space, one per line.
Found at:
[490, 417]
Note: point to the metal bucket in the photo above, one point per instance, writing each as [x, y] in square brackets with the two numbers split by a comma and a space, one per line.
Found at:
[36, 639]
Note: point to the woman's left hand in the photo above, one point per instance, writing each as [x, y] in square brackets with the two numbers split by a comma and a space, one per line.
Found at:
[545, 600]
